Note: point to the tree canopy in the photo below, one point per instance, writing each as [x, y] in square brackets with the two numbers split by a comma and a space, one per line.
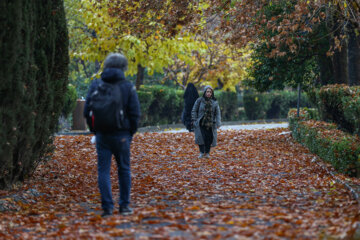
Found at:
[205, 41]
[158, 36]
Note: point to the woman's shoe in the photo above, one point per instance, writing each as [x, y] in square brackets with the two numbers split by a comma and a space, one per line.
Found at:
[201, 155]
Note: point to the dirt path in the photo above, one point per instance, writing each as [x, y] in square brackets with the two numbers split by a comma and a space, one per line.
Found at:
[257, 184]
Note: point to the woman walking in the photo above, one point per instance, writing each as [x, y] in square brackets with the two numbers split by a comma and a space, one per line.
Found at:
[206, 118]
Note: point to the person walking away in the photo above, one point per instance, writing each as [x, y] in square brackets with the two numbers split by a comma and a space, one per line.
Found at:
[190, 96]
[113, 133]
[206, 117]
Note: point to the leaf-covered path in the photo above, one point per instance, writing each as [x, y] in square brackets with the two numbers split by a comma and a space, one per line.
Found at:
[256, 185]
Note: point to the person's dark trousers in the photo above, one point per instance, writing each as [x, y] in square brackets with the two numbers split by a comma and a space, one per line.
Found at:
[208, 137]
[119, 145]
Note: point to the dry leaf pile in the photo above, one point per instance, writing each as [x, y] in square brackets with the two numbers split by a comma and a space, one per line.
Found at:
[256, 184]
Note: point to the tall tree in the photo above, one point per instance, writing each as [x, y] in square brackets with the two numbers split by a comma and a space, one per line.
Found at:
[216, 64]
[276, 66]
[141, 30]
[163, 37]
[33, 73]
[242, 22]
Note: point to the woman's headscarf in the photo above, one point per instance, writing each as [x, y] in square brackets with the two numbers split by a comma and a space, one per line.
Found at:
[191, 94]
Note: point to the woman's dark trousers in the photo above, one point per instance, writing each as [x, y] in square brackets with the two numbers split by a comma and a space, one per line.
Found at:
[208, 137]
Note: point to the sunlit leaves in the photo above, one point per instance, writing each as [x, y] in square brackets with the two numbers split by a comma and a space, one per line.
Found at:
[214, 63]
[138, 29]
[156, 36]
[107, 23]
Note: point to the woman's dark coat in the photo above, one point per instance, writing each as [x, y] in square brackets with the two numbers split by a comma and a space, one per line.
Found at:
[190, 96]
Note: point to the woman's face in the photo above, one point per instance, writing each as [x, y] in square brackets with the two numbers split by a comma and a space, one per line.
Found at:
[208, 93]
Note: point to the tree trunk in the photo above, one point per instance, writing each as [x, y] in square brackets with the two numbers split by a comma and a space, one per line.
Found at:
[339, 58]
[354, 58]
[185, 78]
[339, 61]
[326, 70]
[140, 76]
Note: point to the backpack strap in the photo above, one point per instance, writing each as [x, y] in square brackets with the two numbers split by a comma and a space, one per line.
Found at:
[119, 101]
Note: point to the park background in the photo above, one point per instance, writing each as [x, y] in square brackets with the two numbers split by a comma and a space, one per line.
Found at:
[258, 61]
[263, 58]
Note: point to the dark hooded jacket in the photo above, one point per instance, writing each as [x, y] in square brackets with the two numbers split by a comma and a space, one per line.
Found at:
[190, 96]
[130, 99]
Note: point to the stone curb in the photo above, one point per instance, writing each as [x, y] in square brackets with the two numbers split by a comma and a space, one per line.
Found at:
[353, 188]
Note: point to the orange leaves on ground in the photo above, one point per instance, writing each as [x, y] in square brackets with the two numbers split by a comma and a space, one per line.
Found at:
[256, 184]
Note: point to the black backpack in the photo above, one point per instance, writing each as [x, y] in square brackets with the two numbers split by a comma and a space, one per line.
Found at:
[106, 107]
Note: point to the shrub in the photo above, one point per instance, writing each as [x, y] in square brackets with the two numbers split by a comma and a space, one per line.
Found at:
[160, 105]
[340, 104]
[145, 98]
[33, 73]
[271, 105]
[228, 103]
[280, 104]
[330, 104]
[339, 148]
[69, 101]
[351, 106]
[242, 114]
[164, 105]
[255, 105]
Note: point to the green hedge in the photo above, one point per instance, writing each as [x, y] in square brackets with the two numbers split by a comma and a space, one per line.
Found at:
[34, 70]
[340, 104]
[164, 105]
[271, 105]
[339, 148]
[160, 105]
[229, 105]
[351, 106]
[69, 101]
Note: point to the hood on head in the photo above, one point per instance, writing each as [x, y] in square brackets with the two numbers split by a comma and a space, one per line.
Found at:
[206, 88]
[112, 75]
[191, 91]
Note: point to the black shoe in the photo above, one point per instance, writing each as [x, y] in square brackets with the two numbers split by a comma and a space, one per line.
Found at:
[126, 210]
[106, 213]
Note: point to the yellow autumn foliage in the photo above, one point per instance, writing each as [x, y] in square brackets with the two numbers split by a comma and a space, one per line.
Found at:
[95, 31]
